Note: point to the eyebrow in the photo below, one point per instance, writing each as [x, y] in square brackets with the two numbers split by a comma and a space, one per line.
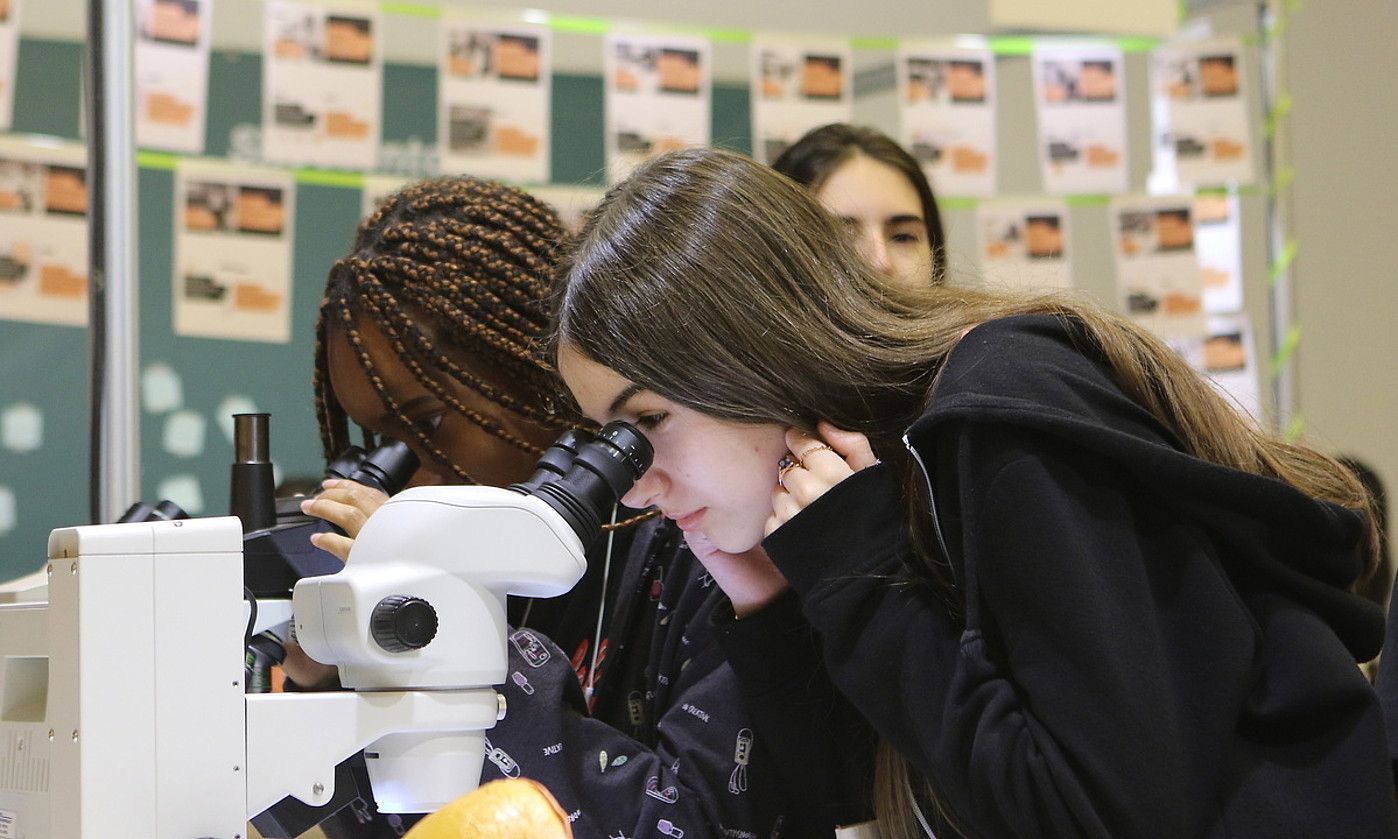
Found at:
[905, 219]
[622, 398]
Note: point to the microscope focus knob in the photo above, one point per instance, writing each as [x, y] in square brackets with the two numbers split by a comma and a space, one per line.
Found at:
[400, 623]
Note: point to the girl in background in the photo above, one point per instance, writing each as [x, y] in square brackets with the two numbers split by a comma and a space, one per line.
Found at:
[880, 194]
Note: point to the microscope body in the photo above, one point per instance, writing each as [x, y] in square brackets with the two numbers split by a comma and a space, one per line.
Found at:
[125, 714]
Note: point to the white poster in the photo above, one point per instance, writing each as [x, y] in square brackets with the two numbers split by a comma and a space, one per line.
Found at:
[946, 101]
[1203, 113]
[797, 86]
[9, 57]
[322, 79]
[1230, 361]
[1080, 94]
[1157, 270]
[232, 265]
[377, 189]
[172, 73]
[1023, 245]
[1218, 244]
[494, 93]
[43, 233]
[657, 97]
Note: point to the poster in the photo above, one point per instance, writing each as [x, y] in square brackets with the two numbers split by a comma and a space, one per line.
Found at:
[657, 97]
[1023, 245]
[1158, 274]
[322, 80]
[9, 57]
[946, 103]
[1230, 361]
[43, 233]
[1218, 244]
[797, 86]
[1202, 113]
[233, 242]
[172, 73]
[493, 103]
[1080, 96]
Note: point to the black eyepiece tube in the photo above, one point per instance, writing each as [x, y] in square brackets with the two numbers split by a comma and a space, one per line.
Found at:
[252, 492]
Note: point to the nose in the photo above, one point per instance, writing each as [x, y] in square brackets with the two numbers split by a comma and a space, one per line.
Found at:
[876, 252]
[646, 491]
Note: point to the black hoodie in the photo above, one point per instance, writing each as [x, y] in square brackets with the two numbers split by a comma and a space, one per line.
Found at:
[1152, 645]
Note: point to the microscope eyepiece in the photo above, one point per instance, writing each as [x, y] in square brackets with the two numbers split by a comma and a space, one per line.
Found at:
[583, 487]
[387, 468]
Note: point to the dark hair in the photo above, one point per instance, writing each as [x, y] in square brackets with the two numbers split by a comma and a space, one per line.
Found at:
[815, 157]
[471, 261]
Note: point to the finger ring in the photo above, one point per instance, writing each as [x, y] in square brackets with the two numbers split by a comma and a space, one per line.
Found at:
[801, 458]
[787, 463]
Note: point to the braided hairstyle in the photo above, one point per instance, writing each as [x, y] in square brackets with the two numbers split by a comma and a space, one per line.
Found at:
[466, 261]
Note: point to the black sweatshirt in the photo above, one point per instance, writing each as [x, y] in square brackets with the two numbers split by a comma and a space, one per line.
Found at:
[668, 749]
[1152, 645]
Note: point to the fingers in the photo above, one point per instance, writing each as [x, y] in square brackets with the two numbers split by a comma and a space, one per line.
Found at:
[345, 504]
[333, 543]
[851, 445]
[306, 671]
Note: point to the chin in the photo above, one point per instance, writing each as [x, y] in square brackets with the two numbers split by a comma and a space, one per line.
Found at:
[735, 543]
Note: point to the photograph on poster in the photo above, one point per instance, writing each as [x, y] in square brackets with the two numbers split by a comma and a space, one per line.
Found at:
[947, 116]
[1067, 81]
[1082, 119]
[801, 85]
[1024, 245]
[494, 95]
[170, 22]
[1204, 113]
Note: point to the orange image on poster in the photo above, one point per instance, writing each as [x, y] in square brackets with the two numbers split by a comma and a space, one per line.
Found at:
[349, 40]
[260, 210]
[1102, 157]
[58, 281]
[512, 140]
[172, 20]
[65, 190]
[820, 77]
[967, 159]
[517, 58]
[342, 125]
[167, 109]
[678, 71]
[253, 298]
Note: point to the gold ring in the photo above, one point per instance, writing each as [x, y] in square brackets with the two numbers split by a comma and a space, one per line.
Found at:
[801, 458]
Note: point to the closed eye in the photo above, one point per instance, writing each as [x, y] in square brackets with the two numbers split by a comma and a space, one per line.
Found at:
[649, 422]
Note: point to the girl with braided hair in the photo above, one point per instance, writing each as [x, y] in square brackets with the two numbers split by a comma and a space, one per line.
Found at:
[619, 699]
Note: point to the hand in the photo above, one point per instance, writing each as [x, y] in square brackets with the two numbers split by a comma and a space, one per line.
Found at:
[750, 579]
[347, 505]
[306, 671]
[813, 466]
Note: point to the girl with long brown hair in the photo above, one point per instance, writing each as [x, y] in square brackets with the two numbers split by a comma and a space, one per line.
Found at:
[1074, 590]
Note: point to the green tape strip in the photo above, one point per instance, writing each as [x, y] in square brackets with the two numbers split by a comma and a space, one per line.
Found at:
[1007, 45]
[411, 9]
[156, 160]
[1279, 113]
[579, 25]
[1285, 178]
[1088, 200]
[1137, 44]
[1288, 348]
[1284, 260]
[950, 203]
[329, 177]
[885, 44]
[1294, 429]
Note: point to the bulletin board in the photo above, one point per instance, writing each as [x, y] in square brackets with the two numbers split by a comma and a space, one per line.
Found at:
[44, 368]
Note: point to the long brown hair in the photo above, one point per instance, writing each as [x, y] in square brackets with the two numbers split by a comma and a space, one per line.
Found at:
[725, 287]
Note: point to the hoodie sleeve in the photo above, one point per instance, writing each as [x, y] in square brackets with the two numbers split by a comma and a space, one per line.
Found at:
[703, 778]
[1062, 706]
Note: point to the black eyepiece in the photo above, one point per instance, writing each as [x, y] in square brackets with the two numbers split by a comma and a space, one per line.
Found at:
[387, 468]
[600, 471]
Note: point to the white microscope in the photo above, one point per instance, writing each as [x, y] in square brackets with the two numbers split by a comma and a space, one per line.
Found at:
[122, 704]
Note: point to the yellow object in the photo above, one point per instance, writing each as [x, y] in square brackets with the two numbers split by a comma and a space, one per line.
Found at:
[511, 808]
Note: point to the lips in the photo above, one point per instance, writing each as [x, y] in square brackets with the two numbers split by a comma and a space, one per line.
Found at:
[690, 521]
